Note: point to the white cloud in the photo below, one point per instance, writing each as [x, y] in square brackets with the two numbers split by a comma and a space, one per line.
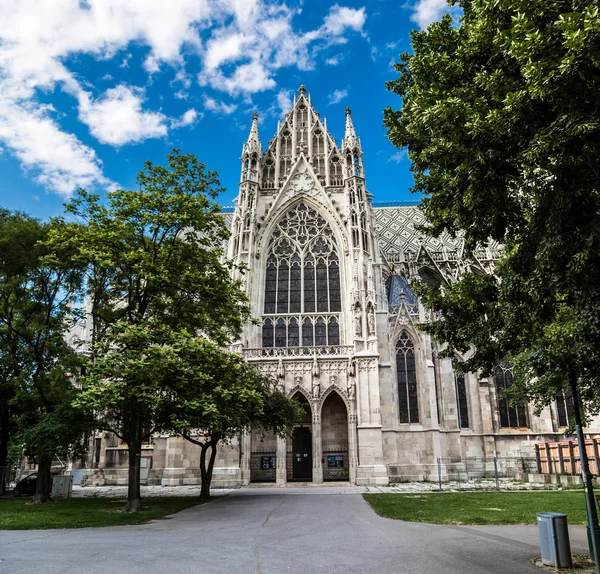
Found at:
[241, 44]
[333, 61]
[337, 96]
[151, 64]
[427, 11]
[56, 160]
[37, 38]
[284, 101]
[219, 107]
[398, 156]
[340, 18]
[188, 118]
[117, 117]
[222, 49]
[182, 77]
[256, 46]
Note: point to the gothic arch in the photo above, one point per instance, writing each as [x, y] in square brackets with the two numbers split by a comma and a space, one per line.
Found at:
[408, 383]
[302, 271]
[431, 275]
[274, 217]
[413, 333]
[338, 391]
[300, 390]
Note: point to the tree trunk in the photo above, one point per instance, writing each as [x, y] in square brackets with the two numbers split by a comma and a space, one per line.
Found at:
[206, 472]
[4, 437]
[134, 497]
[43, 484]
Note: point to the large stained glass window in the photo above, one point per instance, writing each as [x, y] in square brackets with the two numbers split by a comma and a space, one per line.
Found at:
[302, 282]
[407, 379]
[511, 415]
[461, 398]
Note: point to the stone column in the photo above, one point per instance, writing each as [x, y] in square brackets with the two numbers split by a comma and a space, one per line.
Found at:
[317, 445]
[371, 469]
[245, 450]
[174, 472]
[352, 450]
[281, 461]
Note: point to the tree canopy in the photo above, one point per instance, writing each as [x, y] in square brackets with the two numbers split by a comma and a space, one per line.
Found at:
[502, 124]
[155, 273]
[220, 396]
[37, 365]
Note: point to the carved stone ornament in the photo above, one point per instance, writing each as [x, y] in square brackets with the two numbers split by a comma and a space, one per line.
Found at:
[302, 182]
[315, 370]
[316, 388]
[371, 320]
[351, 367]
[358, 320]
[351, 389]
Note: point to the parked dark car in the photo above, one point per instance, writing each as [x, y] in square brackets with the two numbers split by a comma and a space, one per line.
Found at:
[27, 485]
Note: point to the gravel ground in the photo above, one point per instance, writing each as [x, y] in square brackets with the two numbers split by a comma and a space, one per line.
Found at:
[149, 491]
[456, 486]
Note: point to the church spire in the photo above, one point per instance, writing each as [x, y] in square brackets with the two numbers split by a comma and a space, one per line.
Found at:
[253, 144]
[350, 140]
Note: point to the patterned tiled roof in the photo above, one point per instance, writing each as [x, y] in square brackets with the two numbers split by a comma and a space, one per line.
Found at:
[396, 224]
[397, 234]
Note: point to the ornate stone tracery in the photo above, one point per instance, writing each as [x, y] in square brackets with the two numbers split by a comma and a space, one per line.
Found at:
[302, 300]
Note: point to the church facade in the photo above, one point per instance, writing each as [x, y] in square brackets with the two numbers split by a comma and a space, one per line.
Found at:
[329, 278]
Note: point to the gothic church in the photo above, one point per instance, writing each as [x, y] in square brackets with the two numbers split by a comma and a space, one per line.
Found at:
[330, 275]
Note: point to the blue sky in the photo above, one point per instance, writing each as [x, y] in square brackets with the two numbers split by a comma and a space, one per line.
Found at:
[89, 89]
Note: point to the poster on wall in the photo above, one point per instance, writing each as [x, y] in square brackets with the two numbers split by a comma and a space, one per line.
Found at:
[267, 462]
[335, 461]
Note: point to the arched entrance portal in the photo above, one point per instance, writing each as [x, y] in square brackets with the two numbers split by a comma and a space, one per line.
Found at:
[334, 433]
[263, 456]
[299, 455]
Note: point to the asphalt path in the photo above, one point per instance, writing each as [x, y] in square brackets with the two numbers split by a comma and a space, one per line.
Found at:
[277, 531]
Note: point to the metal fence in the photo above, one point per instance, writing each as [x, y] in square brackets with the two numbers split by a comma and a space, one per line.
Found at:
[336, 465]
[10, 474]
[263, 466]
[468, 473]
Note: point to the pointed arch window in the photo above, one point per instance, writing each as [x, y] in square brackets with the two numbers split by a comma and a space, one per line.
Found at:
[408, 401]
[336, 175]
[565, 408]
[302, 282]
[460, 385]
[268, 178]
[511, 415]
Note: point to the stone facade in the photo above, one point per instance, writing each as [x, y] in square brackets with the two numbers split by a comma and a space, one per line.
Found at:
[329, 275]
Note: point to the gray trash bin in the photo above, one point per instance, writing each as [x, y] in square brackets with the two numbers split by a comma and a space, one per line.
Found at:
[554, 539]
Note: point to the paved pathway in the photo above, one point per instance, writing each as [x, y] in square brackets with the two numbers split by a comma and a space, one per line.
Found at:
[277, 531]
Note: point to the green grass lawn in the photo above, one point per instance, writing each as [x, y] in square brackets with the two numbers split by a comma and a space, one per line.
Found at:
[478, 507]
[15, 514]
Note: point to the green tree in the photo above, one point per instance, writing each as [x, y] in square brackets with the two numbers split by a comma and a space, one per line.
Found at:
[503, 133]
[220, 397]
[18, 236]
[156, 270]
[37, 288]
